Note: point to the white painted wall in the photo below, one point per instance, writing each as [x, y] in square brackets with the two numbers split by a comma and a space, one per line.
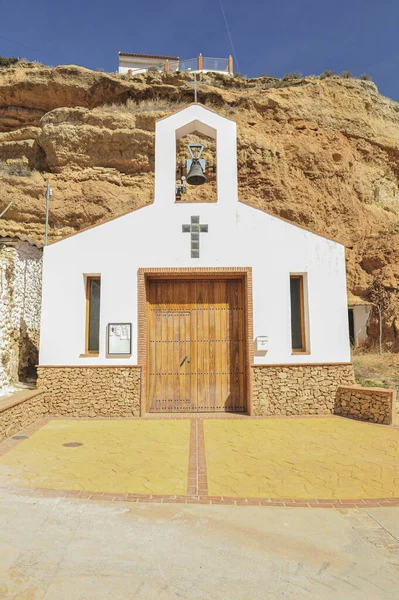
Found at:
[239, 236]
[141, 65]
[361, 316]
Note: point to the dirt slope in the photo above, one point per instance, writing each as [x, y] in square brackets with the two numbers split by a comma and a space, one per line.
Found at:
[321, 152]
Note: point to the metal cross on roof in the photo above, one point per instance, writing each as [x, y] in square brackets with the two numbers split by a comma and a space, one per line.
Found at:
[195, 228]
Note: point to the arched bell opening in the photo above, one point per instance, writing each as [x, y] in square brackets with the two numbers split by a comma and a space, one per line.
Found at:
[196, 179]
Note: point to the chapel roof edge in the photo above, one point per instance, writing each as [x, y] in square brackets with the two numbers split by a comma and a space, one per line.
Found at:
[308, 229]
[132, 210]
[102, 222]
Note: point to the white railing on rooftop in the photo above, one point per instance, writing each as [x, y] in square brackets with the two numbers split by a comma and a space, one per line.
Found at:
[193, 65]
[215, 64]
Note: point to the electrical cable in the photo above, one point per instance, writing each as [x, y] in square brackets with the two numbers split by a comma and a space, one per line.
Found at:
[229, 34]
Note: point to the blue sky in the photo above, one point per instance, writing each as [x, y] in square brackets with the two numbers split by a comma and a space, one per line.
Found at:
[274, 38]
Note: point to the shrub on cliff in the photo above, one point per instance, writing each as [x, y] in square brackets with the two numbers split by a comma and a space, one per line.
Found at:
[16, 169]
[7, 62]
[292, 76]
[327, 73]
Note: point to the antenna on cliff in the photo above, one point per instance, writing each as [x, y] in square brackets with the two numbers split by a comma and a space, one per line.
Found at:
[195, 87]
[49, 193]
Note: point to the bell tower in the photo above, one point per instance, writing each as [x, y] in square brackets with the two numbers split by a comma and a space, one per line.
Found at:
[203, 121]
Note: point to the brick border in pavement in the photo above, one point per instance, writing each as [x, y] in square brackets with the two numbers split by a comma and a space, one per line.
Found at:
[197, 485]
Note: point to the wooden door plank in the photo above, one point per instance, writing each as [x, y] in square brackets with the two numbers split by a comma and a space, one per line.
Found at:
[169, 354]
[219, 377]
[203, 320]
[190, 291]
[175, 347]
[203, 344]
[151, 357]
[226, 347]
[212, 349]
[200, 346]
[158, 391]
[242, 349]
[232, 294]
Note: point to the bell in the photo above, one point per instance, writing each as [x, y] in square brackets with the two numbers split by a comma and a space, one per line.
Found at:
[196, 175]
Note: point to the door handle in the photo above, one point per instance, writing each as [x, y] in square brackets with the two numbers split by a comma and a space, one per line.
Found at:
[183, 361]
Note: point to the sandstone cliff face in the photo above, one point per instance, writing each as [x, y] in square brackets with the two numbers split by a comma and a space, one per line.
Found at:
[322, 153]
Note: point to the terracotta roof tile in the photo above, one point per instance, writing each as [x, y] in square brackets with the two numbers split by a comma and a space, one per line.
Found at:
[20, 236]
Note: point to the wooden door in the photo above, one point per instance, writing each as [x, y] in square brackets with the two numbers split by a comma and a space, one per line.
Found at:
[171, 380]
[196, 349]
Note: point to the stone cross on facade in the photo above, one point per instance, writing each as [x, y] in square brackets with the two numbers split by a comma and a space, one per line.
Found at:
[195, 229]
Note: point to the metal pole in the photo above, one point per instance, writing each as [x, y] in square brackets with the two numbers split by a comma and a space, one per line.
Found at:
[48, 196]
[6, 209]
[195, 87]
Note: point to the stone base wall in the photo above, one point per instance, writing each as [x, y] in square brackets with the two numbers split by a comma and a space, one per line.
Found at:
[20, 414]
[298, 389]
[368, 404]
[91, 391]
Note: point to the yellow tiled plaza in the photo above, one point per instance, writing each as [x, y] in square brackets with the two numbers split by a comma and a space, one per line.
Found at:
[301, 458]
[143, 457]
[304, 458]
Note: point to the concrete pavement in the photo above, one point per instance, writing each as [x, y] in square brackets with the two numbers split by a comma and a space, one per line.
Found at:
[65, 549]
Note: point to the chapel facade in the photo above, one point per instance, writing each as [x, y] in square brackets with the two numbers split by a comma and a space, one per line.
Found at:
[190, 307]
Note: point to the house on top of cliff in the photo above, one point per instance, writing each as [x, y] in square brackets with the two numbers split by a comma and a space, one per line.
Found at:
[20, 304]
[134, 64]
[194, 303]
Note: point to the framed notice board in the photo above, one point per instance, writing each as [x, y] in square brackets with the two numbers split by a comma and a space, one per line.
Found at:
[119, 338]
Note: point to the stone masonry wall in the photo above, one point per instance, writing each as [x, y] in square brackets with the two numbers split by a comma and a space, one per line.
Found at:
[298, 389]
[14, 417]
[20, 305]
[368, 404]
[91, 391]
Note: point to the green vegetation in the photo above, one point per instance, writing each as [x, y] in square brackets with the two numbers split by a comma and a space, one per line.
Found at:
[156, 103]
[375, 370]
[381, 299]
[370, 383]
[294, 75]
[327, 73]
[7, 62]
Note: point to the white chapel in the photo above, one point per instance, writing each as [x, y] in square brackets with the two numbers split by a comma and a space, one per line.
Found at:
[213, 306]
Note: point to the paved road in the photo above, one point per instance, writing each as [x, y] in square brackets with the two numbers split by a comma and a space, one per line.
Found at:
[65, 549]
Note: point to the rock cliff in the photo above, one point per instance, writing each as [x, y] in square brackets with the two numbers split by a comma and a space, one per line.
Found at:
[323, 153]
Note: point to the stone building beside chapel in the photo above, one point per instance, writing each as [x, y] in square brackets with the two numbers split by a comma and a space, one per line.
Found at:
[20, 303]
[187, 306]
